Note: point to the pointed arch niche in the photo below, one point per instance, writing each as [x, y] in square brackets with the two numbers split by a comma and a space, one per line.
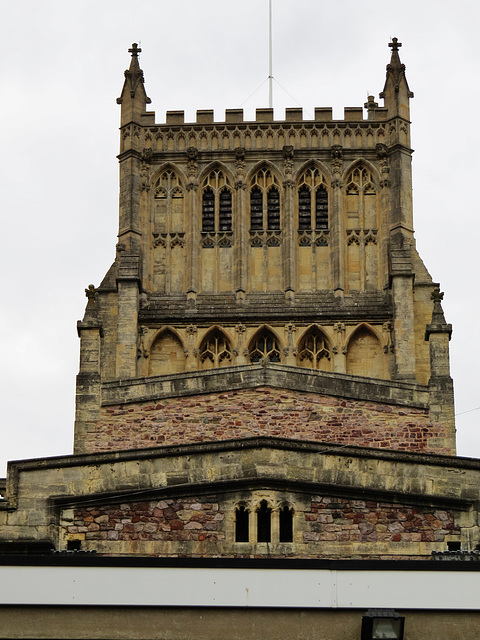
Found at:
[167, 354]
[215, 350]
[168, 232]
[362, 230]
[314, 350]
[365, 354]
[312, 223]
[264, 346]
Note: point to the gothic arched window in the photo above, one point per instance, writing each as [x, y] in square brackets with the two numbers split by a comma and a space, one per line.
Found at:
[168, 203]
[312, 198]
[313, 350]
[264, 522]
[264, 346]
[215, 351]
[264, 201]
[216, 203]
[361, 200]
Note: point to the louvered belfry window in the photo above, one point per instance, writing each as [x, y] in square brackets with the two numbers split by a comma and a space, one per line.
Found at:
[256, 209]
[216, 203]
[273, 209]
[312, 198]
[321, 208]
[304, 208]
[225, 211]
[208, 210]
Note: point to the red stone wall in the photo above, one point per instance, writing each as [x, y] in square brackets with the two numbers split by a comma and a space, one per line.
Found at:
[164, 520]
[269, 412]
[324, 527]
[342, 520]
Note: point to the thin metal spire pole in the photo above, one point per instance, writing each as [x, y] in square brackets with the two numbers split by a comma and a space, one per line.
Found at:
[270, 75]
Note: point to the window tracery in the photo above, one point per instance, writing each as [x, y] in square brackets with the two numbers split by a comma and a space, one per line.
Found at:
[215, 351]
[264, 201]
[264, 346]
[169, 203]
[314, 351]
[216, 203]
[361, 199]
[312, 199]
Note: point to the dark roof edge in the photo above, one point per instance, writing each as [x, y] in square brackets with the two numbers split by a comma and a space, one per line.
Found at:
[82, 559]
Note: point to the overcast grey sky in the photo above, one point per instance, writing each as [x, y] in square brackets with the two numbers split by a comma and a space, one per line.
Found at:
[62, 69]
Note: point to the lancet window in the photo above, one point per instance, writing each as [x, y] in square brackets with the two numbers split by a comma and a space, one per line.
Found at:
[215, 351]
[242, 518]
[313, 351]
[264, 202]
[264, 522]
[262, 525]
[216, 203]
[286, 524]
[264, 346]
[312, 201]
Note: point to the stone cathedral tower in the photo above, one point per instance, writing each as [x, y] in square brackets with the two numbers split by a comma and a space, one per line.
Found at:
[264, 369]
[266, 283]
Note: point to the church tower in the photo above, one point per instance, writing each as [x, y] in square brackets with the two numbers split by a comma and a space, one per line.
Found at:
[266, 283]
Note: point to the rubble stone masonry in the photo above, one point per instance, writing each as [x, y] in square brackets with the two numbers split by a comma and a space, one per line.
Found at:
[265, 411]
[323, 527]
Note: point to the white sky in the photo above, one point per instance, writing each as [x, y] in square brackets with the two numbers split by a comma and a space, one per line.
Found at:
[62, 69]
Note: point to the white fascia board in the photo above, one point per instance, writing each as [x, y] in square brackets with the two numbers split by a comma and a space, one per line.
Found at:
[230, 587]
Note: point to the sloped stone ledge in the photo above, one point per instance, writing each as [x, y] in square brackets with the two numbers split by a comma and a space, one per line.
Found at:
[271, 375]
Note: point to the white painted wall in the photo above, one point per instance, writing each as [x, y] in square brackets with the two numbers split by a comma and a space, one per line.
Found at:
[158, 586]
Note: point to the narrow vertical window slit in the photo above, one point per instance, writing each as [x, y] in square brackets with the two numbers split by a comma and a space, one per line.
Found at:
[241, 524]
[264, 522]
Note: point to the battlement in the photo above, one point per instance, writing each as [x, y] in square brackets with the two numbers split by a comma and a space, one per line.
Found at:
[266, 116]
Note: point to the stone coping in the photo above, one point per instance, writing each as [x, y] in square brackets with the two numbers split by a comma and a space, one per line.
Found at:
[265, 442]
[265, 375]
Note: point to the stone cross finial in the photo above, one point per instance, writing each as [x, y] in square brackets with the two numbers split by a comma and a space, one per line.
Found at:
[437, 295]
[395, 44]
[135, 50]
